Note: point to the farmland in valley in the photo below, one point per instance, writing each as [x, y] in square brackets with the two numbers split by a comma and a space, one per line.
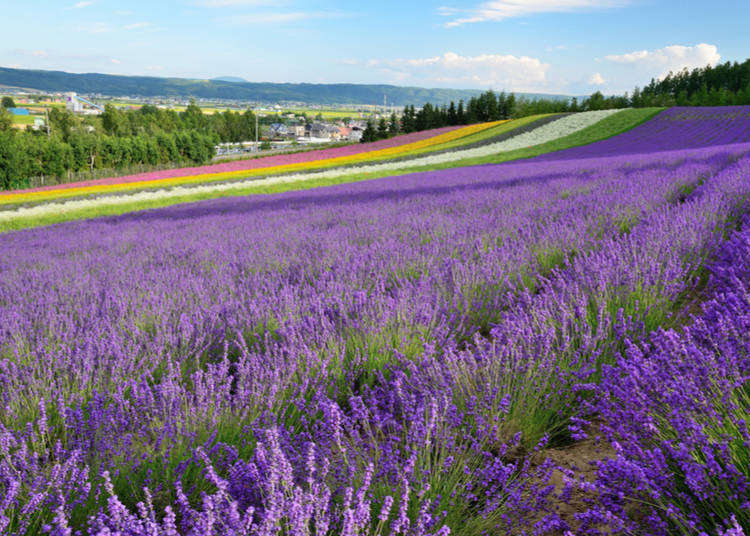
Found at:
[537, 326]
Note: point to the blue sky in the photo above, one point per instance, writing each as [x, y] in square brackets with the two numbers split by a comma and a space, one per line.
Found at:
[550, 46]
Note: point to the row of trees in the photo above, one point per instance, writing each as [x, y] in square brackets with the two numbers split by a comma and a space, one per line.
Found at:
[725, 84]
[227, 126]
[24, 155]
[385, 129]
[489, 106]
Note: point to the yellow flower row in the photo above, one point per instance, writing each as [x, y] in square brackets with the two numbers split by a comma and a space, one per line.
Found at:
[381, 154]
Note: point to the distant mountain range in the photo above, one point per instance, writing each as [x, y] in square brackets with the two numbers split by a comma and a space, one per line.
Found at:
[233, 88]
[229, 79]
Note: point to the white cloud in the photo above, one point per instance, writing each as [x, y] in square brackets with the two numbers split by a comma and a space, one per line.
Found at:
[497, 10]
[137, 25]
[672, 58]
[596, 79]
[81, 5]
[115, 61]
[486, 70]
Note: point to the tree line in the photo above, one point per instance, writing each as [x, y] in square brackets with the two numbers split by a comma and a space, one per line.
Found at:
[725, 84]
[489, 106]
[115, 140]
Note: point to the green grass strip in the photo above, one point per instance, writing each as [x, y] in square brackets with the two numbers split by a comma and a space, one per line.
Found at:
[606, 128]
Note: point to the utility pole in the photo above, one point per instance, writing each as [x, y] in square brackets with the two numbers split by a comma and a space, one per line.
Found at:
[46, 119]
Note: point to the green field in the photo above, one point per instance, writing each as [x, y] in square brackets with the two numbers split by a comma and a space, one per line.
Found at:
[23, 119]
[608, 127]
[326, 113]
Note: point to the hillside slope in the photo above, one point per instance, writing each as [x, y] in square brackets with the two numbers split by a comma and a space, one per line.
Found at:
[148, 86]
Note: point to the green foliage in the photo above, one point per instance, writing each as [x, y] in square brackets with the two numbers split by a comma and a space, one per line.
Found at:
[8, 102]
[6, 121]
[61, 121]
[24, 154]
[10, 155]
[227, 126]
[393, 125]
[382, 129]
[725, 84]
[369, 134]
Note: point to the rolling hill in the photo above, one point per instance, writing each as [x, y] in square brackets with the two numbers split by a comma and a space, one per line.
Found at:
[223, 88]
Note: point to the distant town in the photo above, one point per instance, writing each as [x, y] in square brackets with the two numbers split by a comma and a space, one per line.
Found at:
[280, 124]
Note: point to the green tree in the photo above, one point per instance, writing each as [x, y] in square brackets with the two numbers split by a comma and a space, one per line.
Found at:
[113, 121]
[11, 161]
[408, 123]
[596, 101]
[192, 117]
[61, 122]
[8, 102]
[393, 125]
[6, 121]
[382, 129]
[369, 134]
[510, 106]
[452, 114]
[460, 113]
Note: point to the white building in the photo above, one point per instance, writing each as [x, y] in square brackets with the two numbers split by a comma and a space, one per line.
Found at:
[72, 103]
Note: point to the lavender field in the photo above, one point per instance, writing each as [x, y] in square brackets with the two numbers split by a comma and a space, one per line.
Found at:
[401, 356]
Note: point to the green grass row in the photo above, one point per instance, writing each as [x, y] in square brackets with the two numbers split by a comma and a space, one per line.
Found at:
[608, 127]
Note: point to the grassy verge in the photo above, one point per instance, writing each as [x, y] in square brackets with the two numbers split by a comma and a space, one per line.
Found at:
[608, 127]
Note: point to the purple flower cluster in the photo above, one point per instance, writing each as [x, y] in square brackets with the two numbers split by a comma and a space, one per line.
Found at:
[389, 357]
[676, 411]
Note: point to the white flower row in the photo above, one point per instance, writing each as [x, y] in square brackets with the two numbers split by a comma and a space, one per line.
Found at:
[564, 126]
